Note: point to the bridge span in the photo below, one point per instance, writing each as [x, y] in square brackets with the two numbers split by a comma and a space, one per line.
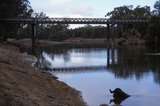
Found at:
[35, 21]
[73, 21]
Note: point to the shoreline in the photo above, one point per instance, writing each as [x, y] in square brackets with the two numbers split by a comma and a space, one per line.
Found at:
[25, 44]
[23, 85]
[51, 92]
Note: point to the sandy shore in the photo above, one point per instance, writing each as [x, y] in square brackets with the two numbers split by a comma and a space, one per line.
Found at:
[23, 85]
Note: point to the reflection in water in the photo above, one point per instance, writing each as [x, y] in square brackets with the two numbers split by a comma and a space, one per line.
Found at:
[122, 63]
[128, 69]
[133, 63]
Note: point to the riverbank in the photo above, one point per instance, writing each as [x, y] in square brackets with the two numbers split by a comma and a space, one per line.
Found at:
[23, 85]
[25, 44]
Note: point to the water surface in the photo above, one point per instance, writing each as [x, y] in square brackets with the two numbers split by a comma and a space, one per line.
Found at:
[131, 70]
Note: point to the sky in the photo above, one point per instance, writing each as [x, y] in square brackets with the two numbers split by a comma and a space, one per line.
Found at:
[82, 8]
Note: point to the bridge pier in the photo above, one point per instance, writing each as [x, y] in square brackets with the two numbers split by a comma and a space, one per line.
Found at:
[108, 31]
[34, 32]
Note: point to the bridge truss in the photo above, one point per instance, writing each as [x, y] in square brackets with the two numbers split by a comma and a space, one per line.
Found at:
[35, 21]
[73, 21]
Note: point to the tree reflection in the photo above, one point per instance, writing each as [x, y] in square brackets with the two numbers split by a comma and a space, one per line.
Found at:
[135, 64]
[124, 63]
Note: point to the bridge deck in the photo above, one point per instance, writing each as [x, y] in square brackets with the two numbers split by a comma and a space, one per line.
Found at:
[72, 21]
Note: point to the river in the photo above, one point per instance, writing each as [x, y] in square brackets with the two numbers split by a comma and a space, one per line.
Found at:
[135, 71]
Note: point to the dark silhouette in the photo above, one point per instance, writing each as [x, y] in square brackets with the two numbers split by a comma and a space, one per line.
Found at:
[118, 96]
[103, 105]
[10, 9]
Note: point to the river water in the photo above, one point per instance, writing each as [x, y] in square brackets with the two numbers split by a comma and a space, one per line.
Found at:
[135, 71]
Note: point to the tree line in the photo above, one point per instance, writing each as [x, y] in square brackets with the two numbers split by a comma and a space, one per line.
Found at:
[59, 32]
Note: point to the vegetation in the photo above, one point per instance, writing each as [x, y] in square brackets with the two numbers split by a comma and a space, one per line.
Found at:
[149, 33]
[12, 9]
[128, 12]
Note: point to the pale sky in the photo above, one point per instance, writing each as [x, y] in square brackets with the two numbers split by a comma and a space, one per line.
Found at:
[82, 8]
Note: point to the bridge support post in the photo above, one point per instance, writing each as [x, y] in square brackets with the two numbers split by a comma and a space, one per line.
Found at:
[33, 36]
[108, 31]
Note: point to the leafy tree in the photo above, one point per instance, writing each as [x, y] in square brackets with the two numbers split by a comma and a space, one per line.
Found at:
[89, 31]
[142, 12]
[12, 9]
[128, 12]
[157, 7]
[153, 37]
[120, 12]
[57, 32]
[15, 8]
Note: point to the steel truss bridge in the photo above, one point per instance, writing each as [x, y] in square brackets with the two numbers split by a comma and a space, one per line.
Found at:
[73, 21]
[109, 22]
[35, 21]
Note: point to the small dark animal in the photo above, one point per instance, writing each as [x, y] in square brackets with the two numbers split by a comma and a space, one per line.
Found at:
[119, 93]
[118, 96]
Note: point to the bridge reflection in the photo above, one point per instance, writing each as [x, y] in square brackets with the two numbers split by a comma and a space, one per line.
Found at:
[47, 61]
[82, 69]
[123, 63]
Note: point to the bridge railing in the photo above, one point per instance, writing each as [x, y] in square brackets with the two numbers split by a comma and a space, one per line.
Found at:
[72, 21]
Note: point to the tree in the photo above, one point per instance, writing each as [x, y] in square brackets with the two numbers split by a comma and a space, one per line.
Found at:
[121, 12]
[13, 9]
[128, 12]
[153, 37]
[58, 32]
[142, 12]
[157, 7]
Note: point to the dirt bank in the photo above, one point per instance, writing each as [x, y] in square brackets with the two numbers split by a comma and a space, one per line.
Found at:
[23, 85]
